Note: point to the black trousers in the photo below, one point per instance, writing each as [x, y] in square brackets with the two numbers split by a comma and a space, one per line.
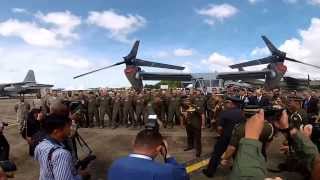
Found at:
[194, 138]
[4, 148]
[219, 148]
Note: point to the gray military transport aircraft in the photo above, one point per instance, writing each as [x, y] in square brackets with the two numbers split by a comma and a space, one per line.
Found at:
[135, 74]
[27, 86]
[273, 74]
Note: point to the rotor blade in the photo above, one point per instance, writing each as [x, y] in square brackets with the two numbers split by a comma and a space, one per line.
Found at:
[270, 46]
[140, 62]
[134, 51]
[266, 60]
[294, 60]
[116, 64]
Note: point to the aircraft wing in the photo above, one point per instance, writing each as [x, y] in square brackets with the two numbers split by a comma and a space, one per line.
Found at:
[38, 86]
[244, 75]
[165, 76]
[295, 81]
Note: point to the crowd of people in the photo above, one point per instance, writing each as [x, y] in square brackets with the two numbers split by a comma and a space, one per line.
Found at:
[246, 121]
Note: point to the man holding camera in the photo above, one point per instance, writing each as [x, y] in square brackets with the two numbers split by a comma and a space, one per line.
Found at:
[249, 162]
[141, 165]
[55, 159]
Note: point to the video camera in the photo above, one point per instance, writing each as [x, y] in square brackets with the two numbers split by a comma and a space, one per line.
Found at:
[271, 113]
[83, 164]
[8, 167]
[152, 123]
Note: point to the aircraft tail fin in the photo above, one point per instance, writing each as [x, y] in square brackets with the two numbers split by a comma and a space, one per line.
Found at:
[30, 77]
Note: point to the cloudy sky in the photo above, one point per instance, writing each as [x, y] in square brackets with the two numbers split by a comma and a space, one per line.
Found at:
[61, 39]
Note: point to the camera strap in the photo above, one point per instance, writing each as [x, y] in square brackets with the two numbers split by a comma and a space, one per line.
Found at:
[50, 166]
[56, 145]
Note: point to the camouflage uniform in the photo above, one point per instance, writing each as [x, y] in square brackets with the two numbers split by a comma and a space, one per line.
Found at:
[174, 102]
[266, 135]
[22, 110]
[104, 103]
[93, 110]
[193, 120]
[128, 111]
[116, 111]
[139, 107]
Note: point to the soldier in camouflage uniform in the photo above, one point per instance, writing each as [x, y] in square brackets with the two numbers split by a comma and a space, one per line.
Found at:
[128, 109]
[192, 115]
[139, 108]
[22, 109]
[174, 102]
[93, 110]
[265, 138]
[198, 99]
[104, 102]
[297, 115]
[116, 110]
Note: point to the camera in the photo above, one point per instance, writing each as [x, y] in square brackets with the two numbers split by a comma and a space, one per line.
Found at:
[8, 167]
[83, 164]
[271, 113]
[152, 119]
[152, 123]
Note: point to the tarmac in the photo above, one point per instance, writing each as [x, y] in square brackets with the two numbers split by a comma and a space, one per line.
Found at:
[108, 145]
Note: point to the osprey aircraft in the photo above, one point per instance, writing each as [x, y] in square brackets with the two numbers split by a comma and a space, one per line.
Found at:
[136, 75]
[273, 75]
[27, 86]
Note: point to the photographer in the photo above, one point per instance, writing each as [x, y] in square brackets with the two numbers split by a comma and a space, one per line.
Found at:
[249, 162]
[238, 133]
[55, 160]
[141, 165]
[4, 145]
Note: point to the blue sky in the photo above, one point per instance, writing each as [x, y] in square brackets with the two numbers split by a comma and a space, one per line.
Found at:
[59, 39]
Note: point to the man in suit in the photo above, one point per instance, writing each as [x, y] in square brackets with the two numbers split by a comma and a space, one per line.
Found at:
[260, 100]
[141, 164]
[310, 104]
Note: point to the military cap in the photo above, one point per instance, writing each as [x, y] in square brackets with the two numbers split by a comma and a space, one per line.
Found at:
[295, 98]
[233, 99]
[250, 110]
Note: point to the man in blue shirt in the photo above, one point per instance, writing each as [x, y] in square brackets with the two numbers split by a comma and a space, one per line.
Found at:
[141, 165]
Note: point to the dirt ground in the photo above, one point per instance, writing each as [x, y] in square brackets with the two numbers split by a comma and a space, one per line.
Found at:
[109, 145]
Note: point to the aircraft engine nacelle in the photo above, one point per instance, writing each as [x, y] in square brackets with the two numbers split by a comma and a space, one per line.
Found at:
[132, 74]
[17, 89]
[277, 72]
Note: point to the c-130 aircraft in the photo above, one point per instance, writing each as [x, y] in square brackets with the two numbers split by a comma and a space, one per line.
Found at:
[27, 86]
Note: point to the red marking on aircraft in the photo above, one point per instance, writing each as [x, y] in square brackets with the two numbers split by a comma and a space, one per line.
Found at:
[282, 68]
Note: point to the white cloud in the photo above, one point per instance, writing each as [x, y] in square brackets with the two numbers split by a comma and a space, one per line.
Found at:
[183, 52]
[58, 67]
[260, 52]
[218, 62]
[315, 2]
[217, 12]
[64, 23]
[120, 26]
[19, 10]
[78, 63]
[37, 34]
[306, 49]
[31, 33]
